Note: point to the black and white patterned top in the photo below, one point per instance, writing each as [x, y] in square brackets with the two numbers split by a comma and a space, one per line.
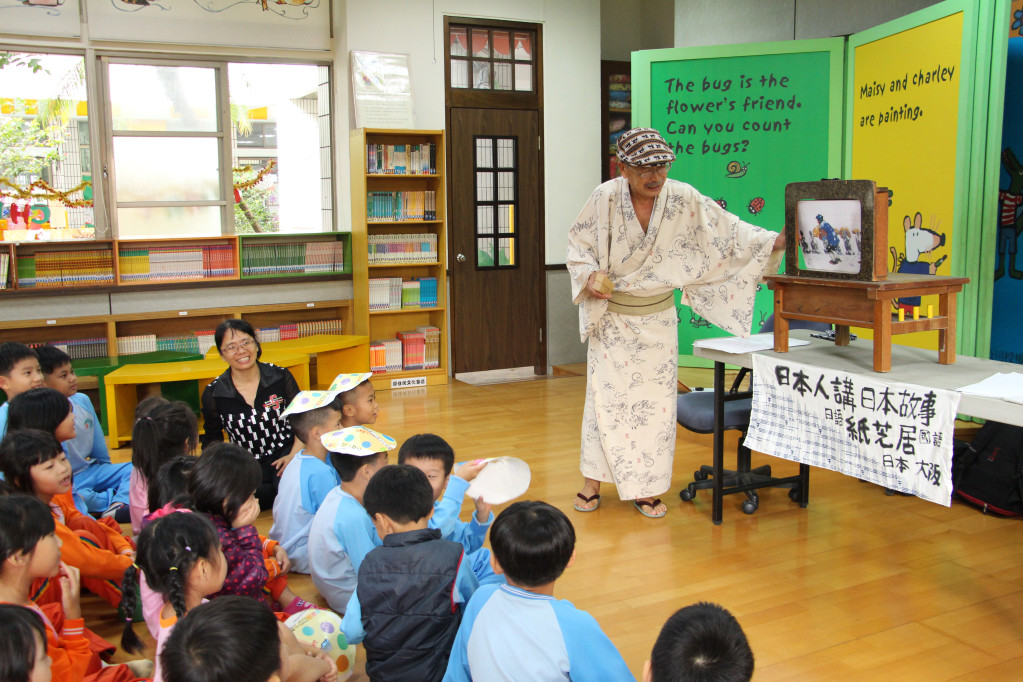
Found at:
[257, 429]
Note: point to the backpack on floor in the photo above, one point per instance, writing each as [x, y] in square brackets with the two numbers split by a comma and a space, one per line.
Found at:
[988, 472]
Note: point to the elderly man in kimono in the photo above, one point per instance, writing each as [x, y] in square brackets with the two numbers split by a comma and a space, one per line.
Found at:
[649, 235]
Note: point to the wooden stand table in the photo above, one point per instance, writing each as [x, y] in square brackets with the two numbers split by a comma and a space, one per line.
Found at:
[846, 303]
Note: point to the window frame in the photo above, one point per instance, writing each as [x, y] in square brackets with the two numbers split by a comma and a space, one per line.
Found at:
[490, 98]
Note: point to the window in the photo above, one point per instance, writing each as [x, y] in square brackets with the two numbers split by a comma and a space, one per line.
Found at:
[491, 58]
[495, 200]
[44, 138]
[173, 175]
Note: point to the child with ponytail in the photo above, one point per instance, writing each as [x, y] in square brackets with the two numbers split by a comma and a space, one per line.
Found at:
[162, 430]
[29, 549]
[181, 558]
[223, 486]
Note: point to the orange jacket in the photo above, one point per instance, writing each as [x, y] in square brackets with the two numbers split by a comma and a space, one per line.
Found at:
[93, 561]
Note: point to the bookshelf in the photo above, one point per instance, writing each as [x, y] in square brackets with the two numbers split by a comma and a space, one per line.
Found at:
[399, 207]
[85, 265]
[97, 336]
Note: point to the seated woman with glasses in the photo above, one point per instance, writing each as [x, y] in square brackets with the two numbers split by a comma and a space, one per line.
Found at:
[246, 401]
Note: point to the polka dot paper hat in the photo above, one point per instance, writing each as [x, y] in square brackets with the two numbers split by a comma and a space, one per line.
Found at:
[358, 441]
[346, 382]
[309, 400]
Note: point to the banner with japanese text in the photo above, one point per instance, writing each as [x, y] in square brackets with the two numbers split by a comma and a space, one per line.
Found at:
[898, 436]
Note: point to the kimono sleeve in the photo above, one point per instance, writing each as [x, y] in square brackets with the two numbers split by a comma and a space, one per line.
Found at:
[583, 257]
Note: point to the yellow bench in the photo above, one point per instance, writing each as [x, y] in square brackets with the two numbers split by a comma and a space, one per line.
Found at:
[122, 385]
[335, 354]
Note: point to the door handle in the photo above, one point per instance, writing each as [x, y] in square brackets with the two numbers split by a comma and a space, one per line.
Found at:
[460, 258]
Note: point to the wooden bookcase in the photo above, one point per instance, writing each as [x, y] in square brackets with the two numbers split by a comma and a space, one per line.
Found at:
[615, 116]
[89, 265]
[385, 324]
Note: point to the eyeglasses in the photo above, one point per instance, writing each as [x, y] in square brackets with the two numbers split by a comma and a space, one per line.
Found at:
[651, 171]
[233, 348]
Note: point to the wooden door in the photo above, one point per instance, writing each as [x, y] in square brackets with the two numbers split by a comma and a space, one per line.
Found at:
[496, 240]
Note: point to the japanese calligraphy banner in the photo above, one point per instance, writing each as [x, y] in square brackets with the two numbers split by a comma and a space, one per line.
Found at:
[896, 435]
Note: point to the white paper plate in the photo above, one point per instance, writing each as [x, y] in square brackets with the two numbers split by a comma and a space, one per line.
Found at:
[501, 480]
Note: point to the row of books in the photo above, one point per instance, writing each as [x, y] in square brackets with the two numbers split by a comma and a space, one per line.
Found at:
[402, 159]
[92, 267]
[176, 262]
[402, 248]
[5, 269]
[79, 348]
[414, 349]
[401, 206]
[285, 258]
[393, 293]
[202, 341]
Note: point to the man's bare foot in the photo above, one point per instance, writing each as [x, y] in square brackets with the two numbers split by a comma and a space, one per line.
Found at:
[589, 498]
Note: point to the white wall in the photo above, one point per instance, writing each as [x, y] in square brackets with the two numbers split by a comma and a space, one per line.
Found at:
[727, 22]
[571, 71]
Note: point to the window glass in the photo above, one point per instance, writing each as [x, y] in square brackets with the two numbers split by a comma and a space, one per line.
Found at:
[188, 169]
[44, 128]
[144, 97]
[281, 141]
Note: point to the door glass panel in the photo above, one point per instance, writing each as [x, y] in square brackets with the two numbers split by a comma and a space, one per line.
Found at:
[523, 77]
[505, 152]
[506, 251]
[484, 219]
[502, 76]
[163, 98]
[188, 169]
[484, 153]
[459, 42]
[502, 45]
[459, 73]
[506, 186]
[481, 75]
[485, 252]
[481, 43]
[484, 186]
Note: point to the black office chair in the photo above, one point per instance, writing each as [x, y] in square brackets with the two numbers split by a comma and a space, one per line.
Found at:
[695, 411]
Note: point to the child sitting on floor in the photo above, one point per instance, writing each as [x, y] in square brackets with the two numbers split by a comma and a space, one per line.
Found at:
[30, 548]
[234, 638]
[520, 629]
[223, 486]
[700, 643]
[404, 606]
[34, 463]
[23, 655]
[100, 484]
[309, 477]
[19, 372]
[162, 430]
[342, 533]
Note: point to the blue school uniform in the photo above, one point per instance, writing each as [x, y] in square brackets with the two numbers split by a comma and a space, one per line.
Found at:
[305, 484]
[341, 536]
[98, 482]
[510, 634]
[445, 517]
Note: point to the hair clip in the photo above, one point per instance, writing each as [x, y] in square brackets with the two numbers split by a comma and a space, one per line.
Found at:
[187, 548]
[127, 619]
[136, 566]
[173, 568]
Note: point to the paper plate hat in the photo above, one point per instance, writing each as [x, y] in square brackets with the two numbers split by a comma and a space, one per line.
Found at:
[311, 400]
[346, 382]
[358, 441]
[501, 480]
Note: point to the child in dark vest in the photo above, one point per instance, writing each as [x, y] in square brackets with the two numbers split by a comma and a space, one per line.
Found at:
[411, 591]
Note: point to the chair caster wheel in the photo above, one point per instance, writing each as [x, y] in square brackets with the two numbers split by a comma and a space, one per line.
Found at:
[794, 494]
[749, 506]
[686, 495]
[700, 475]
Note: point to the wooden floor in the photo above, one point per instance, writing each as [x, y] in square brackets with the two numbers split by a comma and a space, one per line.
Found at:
[858, 586]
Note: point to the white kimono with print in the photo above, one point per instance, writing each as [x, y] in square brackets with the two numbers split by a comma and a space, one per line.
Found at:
[692, 244]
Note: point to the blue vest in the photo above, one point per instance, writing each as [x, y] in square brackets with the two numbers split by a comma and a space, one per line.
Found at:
[406, 592]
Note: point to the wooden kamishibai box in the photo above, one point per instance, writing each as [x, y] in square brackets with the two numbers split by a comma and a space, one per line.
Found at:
[836, 249]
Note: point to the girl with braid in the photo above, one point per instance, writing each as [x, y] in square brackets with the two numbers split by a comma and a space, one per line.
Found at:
[181, 558]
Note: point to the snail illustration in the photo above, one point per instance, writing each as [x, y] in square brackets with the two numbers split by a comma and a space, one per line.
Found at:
[736, 169]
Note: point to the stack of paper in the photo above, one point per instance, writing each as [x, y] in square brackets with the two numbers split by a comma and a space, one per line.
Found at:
[1004, 385]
